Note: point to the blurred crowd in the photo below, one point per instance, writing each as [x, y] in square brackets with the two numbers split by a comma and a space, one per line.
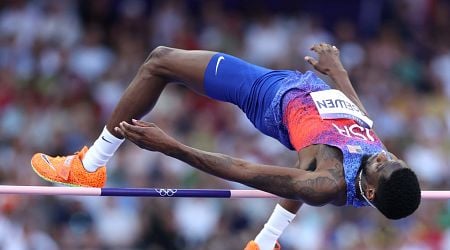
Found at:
[64, 65]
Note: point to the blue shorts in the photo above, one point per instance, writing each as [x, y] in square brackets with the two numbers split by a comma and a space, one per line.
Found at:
[250, 87]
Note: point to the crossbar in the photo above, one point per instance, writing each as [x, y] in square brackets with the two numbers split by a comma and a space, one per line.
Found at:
[164, 192]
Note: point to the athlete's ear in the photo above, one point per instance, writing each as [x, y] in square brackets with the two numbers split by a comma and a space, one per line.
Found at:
[370, 193]
[381, 157]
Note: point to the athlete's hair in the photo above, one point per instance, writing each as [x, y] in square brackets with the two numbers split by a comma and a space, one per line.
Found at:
[398, 195]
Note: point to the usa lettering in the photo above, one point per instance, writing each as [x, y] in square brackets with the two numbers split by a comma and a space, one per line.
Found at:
[336, 103]
[355, 131]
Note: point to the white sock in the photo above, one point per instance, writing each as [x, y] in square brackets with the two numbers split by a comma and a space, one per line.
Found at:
[274, 227]
[103, 149]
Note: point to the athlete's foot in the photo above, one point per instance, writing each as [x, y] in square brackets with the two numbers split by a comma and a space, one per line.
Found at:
[68, 170]
[254, 246]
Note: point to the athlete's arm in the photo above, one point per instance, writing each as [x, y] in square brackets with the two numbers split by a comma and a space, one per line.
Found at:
[314, 188]
[330, 64]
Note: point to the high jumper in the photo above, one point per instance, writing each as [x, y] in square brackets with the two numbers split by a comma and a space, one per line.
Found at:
[341, 161]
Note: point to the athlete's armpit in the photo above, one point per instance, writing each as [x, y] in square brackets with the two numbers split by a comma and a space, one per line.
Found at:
[318, 190]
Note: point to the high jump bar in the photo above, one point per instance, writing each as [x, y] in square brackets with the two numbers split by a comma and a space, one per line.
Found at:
[162, 192]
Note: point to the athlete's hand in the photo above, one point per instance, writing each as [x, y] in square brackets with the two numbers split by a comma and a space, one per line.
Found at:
[328, 61]
[146, 136]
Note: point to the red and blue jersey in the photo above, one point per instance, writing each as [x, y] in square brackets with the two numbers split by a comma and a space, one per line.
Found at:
[305, 126]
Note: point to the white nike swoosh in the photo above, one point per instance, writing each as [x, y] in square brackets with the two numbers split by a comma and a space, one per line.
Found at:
[218, 62]
[48, 162]
[103, 138]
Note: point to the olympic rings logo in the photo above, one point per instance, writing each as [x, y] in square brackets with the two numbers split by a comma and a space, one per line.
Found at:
[166, 192]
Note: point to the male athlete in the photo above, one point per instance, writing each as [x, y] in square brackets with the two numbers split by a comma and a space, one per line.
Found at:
[341, 160]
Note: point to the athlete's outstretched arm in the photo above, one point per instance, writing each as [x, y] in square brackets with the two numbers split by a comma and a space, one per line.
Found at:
[314, 188]
[329, 64]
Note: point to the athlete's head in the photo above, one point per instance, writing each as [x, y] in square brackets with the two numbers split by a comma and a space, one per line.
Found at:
[389, 185]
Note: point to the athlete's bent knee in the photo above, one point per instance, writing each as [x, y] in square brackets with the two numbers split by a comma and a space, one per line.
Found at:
[154, 64]
[160, 52]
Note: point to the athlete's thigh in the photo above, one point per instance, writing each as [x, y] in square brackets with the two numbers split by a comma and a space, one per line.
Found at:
[185, 66]
[217, 75]
[231, 79]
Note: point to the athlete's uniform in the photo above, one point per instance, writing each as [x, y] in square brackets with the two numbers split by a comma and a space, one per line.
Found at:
[279, 104]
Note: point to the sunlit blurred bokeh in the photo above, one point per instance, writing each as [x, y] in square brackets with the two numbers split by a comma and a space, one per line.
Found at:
[64, 65]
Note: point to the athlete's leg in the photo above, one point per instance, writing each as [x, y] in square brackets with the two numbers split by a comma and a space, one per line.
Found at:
[162, 66]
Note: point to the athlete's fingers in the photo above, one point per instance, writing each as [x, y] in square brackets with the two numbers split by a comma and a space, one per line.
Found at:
[311, 60]
[142, 123]
[315, 48]
[335, 49]
[120, 131]
[324, 46]
[129, 132]
[132, 128]
[125, 133]
[129, 135]
[327, 47]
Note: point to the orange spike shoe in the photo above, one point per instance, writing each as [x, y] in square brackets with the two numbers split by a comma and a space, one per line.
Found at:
[252, 245]
[68, 170]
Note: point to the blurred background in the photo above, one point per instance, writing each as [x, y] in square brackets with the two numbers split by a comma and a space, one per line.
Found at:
[64, 65]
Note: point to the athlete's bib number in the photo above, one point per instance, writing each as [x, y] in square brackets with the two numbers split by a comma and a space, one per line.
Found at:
[333, 104]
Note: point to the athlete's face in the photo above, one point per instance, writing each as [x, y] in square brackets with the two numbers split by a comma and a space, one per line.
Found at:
[381, 164]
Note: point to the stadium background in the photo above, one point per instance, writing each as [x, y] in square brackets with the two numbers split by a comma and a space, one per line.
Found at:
[64, 64]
